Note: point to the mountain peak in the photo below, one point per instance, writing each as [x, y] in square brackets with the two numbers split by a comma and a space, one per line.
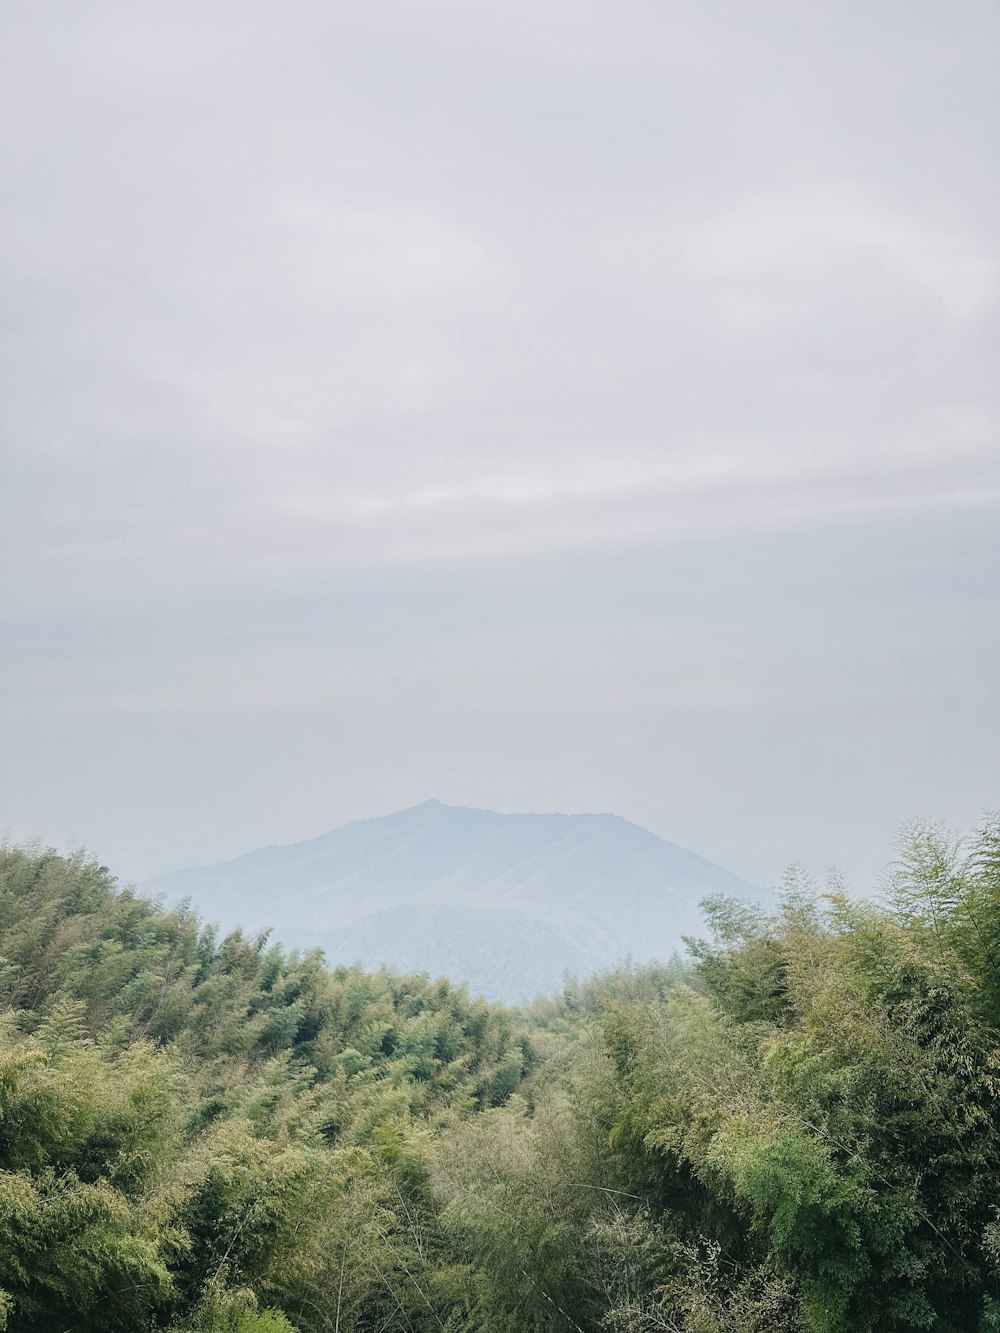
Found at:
[504, 901]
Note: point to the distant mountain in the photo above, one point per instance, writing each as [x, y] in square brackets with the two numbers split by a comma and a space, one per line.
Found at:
[508, 903]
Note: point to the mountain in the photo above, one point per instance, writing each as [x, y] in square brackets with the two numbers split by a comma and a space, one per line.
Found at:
[509, 903]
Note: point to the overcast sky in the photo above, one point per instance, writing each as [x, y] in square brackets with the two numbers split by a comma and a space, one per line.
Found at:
[530, 404]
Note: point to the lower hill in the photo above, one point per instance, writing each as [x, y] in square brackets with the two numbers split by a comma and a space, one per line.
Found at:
[795, 1131]
[507, 903]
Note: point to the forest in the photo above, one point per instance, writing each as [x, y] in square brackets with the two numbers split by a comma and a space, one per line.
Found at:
[793, 1129]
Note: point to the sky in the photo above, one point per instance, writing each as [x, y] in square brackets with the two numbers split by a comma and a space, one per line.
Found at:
[530, 405]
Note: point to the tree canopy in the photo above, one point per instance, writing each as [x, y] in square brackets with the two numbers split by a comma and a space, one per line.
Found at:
[795, 1130]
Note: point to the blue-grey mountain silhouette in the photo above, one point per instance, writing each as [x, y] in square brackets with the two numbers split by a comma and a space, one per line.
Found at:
[509, 903]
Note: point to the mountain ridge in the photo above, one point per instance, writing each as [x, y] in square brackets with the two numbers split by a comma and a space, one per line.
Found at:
[597, 886]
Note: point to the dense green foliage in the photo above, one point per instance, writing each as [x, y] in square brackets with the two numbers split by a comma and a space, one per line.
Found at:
[797, 1132]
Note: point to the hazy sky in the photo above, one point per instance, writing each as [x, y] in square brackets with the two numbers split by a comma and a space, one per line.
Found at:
[535, 405]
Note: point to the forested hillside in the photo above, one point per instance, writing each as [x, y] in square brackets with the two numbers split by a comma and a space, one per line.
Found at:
[799, 1130]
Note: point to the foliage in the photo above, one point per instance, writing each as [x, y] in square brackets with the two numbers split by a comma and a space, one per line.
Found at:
[795, 1132]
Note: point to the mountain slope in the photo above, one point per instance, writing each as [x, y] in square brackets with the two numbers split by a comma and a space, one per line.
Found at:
[506, 902]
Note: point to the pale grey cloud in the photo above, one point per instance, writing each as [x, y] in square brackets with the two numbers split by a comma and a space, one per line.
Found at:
[397, 399]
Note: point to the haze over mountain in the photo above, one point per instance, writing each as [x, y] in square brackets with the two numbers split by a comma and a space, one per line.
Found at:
[507, 902]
